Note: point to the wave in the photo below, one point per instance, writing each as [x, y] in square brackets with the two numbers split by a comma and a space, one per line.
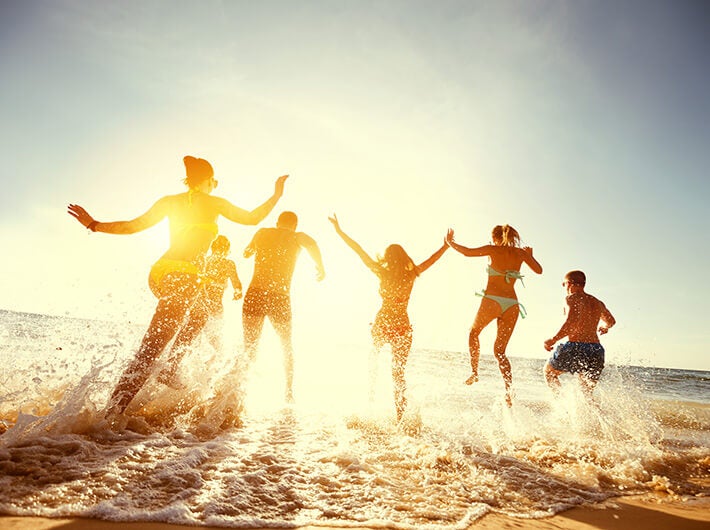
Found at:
[228, 452]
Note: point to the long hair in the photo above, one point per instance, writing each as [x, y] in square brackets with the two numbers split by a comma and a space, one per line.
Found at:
[507, 235]
[397, 261]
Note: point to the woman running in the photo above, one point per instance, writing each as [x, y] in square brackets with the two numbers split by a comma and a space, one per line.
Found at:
[499, 302]
[396, 272]
[174, 278]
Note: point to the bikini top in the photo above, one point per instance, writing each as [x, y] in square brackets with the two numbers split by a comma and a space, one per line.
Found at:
[184, 228]
[210, 227]
[509, 275]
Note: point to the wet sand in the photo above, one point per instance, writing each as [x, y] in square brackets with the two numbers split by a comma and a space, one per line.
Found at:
[617, 514]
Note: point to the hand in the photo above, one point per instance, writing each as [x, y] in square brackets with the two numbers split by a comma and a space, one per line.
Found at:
[237, 293]
[549, 344]
[334, 220]
[320, 274]
[603, 330]
[280, 183]
[449, 239]
[81, 215]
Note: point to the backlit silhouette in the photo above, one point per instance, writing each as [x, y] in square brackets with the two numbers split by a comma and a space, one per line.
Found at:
[269, 295]
[174, 277]
[218, 271]
[396, 272]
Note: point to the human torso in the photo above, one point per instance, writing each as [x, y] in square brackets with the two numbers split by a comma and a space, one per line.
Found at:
[506, 262]
[395, 291]
[216, 274]
[193, 226]
[586, 311]
[276, 250]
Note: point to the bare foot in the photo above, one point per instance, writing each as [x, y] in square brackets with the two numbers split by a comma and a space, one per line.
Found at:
[472, 379]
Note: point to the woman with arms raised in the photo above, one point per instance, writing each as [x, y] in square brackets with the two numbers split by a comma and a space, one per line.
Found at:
[174, 278]
[499, 300]
[396, 272]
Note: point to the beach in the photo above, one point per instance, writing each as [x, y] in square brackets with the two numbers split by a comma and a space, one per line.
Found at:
[229, 453]
[616, 514]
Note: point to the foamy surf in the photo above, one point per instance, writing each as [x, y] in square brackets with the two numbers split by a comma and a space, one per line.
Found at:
[226, 451]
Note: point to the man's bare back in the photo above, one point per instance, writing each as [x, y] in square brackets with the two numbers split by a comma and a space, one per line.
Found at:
[275, 250]
[585, 312]
[582, 354]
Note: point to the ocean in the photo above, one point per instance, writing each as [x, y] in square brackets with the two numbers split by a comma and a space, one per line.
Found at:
[228, 451]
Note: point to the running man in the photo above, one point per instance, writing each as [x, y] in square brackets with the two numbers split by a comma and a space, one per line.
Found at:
[583, 354]
[269, 294]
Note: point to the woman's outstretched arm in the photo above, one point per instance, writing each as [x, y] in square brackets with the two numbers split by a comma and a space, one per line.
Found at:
[424, 265]
[155, 214]
[470, 252]
[255, 216]
[366, 259]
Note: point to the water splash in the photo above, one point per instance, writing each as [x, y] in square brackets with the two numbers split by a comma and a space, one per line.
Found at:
[228, 452]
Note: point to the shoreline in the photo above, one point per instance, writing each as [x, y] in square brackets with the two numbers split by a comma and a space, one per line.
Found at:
[620, 513]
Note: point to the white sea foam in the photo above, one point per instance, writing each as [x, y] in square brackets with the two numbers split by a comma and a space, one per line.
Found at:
[230, 453]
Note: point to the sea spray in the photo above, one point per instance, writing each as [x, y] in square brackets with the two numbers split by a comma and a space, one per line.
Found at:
[226, 450]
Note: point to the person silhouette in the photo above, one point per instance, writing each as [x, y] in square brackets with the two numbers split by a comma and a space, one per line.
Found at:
[275, 251]
[174, 278]
[396, 272]
[583, 354]
[499, 302]
[218, 271]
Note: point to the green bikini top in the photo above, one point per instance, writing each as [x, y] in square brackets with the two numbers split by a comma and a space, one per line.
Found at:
[509, 275]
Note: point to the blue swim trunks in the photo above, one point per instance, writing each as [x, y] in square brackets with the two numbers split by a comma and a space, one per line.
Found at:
[586, 358]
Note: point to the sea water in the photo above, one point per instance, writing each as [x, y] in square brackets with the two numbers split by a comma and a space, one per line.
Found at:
[229, 452]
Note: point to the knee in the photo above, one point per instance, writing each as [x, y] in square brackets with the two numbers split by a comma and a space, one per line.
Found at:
[499, 353]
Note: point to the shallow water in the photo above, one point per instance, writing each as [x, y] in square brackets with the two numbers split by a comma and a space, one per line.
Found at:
[230, 453]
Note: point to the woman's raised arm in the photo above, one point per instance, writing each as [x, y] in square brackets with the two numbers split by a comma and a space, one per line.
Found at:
[255, 216]
[364, 256]
[424, 265]
[470, 252]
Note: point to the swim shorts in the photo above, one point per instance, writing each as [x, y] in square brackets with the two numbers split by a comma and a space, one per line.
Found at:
[586, 358]
[275, 305]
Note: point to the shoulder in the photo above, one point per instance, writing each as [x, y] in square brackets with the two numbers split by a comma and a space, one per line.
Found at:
[503, 253]
[595, 300]
[218, 204]
[302, 238]
[259, 235]
[172, 199]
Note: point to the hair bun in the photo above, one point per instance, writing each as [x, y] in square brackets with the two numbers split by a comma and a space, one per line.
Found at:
[196, 170]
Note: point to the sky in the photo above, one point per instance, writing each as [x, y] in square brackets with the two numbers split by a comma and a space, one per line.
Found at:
[585, 125]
